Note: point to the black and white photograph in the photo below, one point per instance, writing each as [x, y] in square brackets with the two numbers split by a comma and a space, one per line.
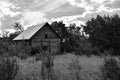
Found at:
[59, 39]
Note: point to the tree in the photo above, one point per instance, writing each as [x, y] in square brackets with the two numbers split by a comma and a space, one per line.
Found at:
[72, 28]
[69, 35]
[104, 32]
[61, 30]
[18, 27]
[5, 33]
[13, 35]
[78, 30]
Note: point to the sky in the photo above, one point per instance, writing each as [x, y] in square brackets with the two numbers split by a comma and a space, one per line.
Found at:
[30, 12]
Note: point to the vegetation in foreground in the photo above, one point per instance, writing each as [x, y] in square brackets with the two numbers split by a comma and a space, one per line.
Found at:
[8, 68]
[66, 67]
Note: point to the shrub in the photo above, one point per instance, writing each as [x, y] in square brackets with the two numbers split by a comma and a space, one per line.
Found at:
[110, 69]
[87, 49]
[35, 50]
[3, 47]
[108, 52]
[19, 49]
[8, 68]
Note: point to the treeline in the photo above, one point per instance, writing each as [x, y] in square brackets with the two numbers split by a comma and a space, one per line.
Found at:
[104, 32]
[104, 36]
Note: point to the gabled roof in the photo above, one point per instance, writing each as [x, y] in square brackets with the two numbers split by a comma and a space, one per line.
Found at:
[28, 33]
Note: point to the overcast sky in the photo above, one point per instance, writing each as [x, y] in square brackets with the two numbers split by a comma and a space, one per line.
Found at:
[30, 12]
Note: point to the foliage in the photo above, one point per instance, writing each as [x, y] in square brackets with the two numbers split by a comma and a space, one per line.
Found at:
[5, 33]
[60, 28]
[35, 50]
[111, 69]
[85, 48]
[18, 27]
[3, 46]
[8, 68]
[13, 35]
[70, 36]
[21, 50]
[104, 32]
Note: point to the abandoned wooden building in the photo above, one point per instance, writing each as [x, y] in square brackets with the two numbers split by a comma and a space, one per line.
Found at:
[42, 35]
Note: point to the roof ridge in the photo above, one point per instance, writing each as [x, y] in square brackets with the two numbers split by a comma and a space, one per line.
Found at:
[31, 31]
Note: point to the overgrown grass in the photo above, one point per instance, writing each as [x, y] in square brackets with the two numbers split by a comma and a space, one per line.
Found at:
[20, 50]
[8, 68]
[66, 67]
[110, 69]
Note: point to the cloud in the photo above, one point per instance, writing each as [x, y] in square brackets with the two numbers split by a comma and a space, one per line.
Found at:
[91, 9]
[69, 20]
[31, 12]
[33, 17]
[53, 5]
[107, 9]
[98, 1]
[40, 5]
[35, 12]
[8, 21]
[91, 6]
[4, 31]
[10, 30]
[5, 10]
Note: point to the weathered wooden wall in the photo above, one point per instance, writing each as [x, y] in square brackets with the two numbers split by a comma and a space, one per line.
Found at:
[52, 41]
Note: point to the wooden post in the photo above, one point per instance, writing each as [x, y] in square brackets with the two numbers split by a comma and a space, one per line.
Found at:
[49, 46]
[41, 43]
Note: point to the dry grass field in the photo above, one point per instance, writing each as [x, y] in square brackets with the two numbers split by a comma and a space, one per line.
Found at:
[65, 67]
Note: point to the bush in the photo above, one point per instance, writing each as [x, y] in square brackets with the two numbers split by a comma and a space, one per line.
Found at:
[110, 70]
[19, 49]
[8, 68]
[108, 52]
[35, 50]
[3, 47]
[87, 49]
